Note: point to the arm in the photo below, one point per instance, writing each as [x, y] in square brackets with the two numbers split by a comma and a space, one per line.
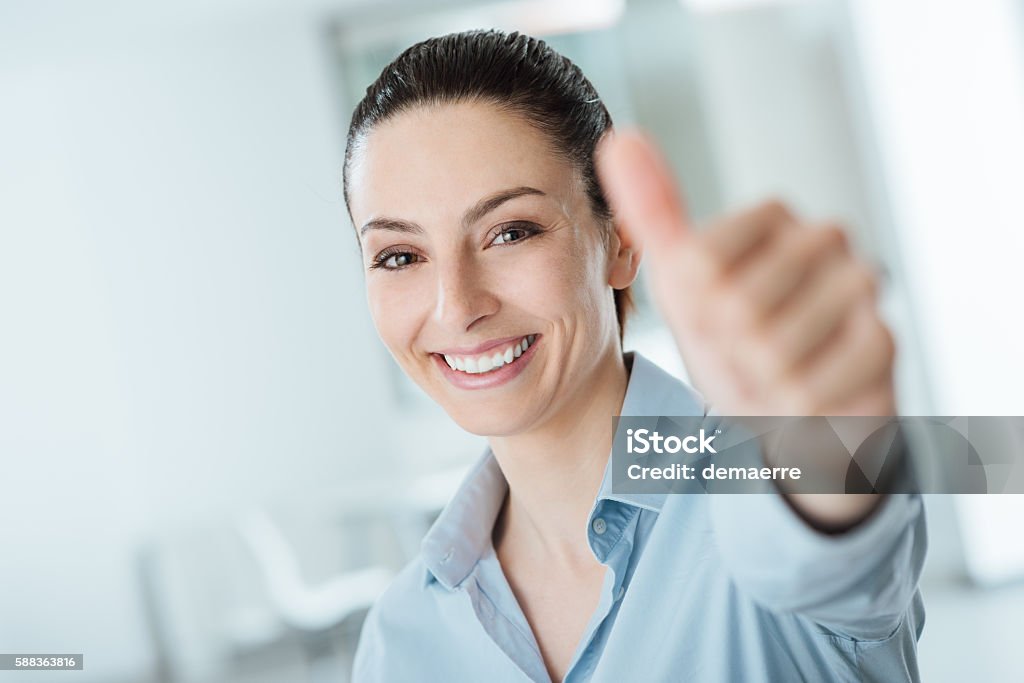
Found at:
[856, 579]
[858, 583]
[772, 317]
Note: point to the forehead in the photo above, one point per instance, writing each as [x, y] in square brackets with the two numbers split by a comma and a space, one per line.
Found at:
[432, 162]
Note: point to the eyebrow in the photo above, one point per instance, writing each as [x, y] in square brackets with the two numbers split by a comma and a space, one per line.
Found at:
[393, 224]
[488, 204]
[475, 213]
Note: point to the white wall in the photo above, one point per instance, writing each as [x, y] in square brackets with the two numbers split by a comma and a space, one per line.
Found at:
[946, 87]
[182, 321]
[782, 121]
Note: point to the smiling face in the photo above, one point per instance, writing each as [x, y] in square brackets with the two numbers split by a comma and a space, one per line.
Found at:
[488, 276]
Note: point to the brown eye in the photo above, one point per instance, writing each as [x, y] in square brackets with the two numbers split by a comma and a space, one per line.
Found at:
[399, 260]
[395, 260]
[512, 233]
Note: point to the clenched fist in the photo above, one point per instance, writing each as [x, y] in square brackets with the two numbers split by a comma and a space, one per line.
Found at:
[772, 316]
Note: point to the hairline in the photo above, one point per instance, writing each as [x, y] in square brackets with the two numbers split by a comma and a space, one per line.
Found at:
[358, 135]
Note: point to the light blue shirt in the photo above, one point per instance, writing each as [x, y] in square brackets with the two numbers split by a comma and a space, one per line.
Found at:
[698, 587]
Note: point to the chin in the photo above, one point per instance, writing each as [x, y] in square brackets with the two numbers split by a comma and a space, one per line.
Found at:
[482, 424]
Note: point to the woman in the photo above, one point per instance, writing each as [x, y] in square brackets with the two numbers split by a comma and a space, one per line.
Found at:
[498, 277]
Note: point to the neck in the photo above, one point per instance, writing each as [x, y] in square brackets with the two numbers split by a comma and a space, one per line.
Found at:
[554, 472]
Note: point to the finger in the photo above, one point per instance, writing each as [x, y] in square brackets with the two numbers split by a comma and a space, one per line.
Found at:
[642, 192]
[732, 238]
[807, 320]
[877, 400]
[861, 359]
[847, 375]
[766, 282]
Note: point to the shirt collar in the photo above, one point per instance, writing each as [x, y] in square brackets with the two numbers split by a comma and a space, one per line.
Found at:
[651, 391]
[461, 534]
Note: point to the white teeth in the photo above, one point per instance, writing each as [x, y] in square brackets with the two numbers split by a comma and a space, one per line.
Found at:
[474, 365]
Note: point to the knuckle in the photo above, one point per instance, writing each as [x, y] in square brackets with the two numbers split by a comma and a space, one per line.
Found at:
[865, 280]
[799, 399]
[887, 342]
[768, 351]
[837, 235]
[739, 308]
[761, 340]
[820, 246]
[778, 352]
[856, 279]
[774, 208]
[827, 242]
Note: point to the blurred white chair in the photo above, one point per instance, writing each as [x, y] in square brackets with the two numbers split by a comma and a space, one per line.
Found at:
[301, 606]
[312, 611]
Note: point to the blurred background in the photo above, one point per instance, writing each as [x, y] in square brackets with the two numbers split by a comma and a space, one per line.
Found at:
[211, 466]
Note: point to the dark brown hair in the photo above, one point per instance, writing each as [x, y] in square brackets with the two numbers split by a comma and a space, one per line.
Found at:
[520, 74]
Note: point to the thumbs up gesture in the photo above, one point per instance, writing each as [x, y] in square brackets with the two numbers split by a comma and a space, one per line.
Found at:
[772, 315]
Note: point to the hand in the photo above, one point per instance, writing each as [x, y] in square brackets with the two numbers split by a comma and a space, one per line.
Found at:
[772, 316]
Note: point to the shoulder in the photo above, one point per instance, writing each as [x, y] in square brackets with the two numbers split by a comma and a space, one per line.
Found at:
[395, 622]
[407, 598]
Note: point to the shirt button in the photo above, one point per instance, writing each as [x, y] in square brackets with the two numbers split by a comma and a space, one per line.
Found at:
[599, 526]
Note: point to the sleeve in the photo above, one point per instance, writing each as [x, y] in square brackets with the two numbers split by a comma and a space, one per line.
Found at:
[859, 583]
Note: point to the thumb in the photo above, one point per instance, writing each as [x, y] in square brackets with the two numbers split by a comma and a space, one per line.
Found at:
[639, 184]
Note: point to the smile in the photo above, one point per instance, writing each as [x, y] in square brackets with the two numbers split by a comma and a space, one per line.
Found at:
[492, 367]
[488, 362]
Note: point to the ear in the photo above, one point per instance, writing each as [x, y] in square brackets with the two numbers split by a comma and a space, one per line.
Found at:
[624, 254]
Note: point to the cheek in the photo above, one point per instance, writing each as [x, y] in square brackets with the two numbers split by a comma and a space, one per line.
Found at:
[558, 283]
[398, 308]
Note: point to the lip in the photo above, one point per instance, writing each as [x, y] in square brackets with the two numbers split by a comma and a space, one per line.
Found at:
[488, 380]
[479, 348]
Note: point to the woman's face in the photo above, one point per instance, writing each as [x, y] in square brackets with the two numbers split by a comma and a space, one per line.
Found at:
[488, 277]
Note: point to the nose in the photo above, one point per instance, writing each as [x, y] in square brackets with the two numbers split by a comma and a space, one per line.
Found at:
[463, 296]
